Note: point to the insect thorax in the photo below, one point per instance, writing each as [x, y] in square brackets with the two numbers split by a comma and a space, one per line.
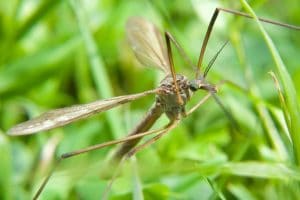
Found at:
[168, 99]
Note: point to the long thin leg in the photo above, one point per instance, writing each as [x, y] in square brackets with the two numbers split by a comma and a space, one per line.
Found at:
[105, 144]
[144, 125]
[169, 48]
[203, 100]
[169, 37]
[169, 127]
[219, 102]
[182, 52]
[212, 22]
[41, 188]
[92, 148]
[227, 112]
[113, 178]
[180, 49]
[133, 151]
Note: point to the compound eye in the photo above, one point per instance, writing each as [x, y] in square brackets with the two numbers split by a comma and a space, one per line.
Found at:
[193, 86]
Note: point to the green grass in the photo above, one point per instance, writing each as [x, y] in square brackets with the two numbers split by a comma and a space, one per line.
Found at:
[60, 53]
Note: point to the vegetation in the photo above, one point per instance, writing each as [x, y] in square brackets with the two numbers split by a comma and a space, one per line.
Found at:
[59, 53]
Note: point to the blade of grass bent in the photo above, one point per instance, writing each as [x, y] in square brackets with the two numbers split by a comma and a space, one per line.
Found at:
[261, 170]
[258, 102]
[281, 99]
[97, 67]
[289, 89]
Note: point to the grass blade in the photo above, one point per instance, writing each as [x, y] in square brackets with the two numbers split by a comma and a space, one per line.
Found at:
[288, 87]
[261, 170]
[97, 67]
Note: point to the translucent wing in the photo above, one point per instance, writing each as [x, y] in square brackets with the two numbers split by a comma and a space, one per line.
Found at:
[147, 43]
[60, 117]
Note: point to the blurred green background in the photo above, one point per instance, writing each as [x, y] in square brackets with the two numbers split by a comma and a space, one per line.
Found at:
[59, 53]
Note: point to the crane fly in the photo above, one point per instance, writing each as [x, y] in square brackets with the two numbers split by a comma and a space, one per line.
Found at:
[171, 96]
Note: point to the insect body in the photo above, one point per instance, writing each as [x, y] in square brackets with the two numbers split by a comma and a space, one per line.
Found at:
[168, 96]
[172, 95]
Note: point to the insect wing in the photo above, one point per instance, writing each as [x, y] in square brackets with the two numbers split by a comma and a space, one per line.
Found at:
[60, 117]
[147, 43]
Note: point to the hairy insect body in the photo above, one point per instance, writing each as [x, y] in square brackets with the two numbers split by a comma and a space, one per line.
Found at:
[167, 96]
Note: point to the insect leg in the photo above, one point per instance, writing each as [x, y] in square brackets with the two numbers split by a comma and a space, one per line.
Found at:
[203, 100]
[212, 22]
[180, 49]
[88, 149]
[168, 127]
[133, 151]
[172, 69]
